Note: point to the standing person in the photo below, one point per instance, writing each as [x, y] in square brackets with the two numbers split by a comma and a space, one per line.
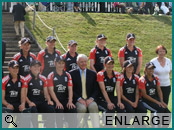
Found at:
[3, 54]
[108, 80]
[130, 89]
[19, 19]
[71, 56]
[131, 52]
[37, 94]
[163, 70]
[47, 56]
[98, 53]
[13, 90]
[61, 90]
[85, 89]
[151, 92]
[24, 57]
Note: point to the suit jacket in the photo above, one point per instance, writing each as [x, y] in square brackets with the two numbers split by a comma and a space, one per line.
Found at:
[19, 12]
[91, 84]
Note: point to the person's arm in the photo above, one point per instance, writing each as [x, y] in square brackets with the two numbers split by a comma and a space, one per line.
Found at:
[5, 103]
[119, 104]
[91, 65]
[140, 61]
[47, 96]
[137, 95]
[23, 99]
[30, 103]
[121, 60]
[70, 105]
[124, 98]
[160, 94]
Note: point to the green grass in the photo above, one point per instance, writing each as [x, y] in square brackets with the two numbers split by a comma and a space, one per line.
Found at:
[150, 32]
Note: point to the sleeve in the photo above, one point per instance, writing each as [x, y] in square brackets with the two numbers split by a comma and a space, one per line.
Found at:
[158, 82]
[100, 77]
[39, 57]
[50, 80]
[3, 85]
[110, 53]
[70, 84]
[24, 83]
[140, 53]
[121, 79]
[45, 83]
[92, 55]
[141, 84]
[121, 53]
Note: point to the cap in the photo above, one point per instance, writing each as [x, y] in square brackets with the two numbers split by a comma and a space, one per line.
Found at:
[50, 38]
[24, 41]
[72, 42]
[59, 58]
[13, 64]
[130, 36]
[34, 62]
[101, 36]
[108, 59]
[149, 65]
[127, 63]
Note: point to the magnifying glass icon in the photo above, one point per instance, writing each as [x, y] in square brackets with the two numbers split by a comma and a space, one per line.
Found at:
[9, 119]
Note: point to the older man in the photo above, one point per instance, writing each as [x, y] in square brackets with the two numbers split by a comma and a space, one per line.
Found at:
[85, 89]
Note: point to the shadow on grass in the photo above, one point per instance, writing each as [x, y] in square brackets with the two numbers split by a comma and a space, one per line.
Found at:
[164, 19]
[135, 17]
[90, 20]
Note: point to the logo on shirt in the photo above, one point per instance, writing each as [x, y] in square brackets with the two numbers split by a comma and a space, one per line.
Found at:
[68, 59]
[102, 59]
[114, 80]
[66, 79]
[97, 52]
[46, 56]
[125, 82]
[105, 80]
[51, 63]
[20, 60]
[19, 84]
[151, 91]
[133, 81]
[31, 84]
[154, 82]
[125, 52]
[55, 79]
[74, 66]
[109, 88]
[41, 83]
[106, 52]
[36, 92]
[31, 59]
[130, 90]
[26, 68]
[132, 59]
[136, 53]
[8, 85]
[61, 88]
[13, 93]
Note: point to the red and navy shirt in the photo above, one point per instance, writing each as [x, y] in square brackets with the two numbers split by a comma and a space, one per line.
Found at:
[130, 55]
[24, 63]
[150, 86]
[129, 86]
[36, 87]
[13, 90]
[98, 56]
[109, 83]
[70, 62]
[47, 61]
[60, 84]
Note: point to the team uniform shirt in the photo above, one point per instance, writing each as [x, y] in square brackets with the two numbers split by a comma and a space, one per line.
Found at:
[60, 84]
[70, 62]
[24, 63]
[98, 56]
[129, 86]
[47, 61]
[36, 87]
[130, 55]
[163, 72]
[13, 90]
[108, 82]
[150, 86]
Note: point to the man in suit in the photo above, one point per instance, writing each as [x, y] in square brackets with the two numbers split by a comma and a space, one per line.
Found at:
[85, 90]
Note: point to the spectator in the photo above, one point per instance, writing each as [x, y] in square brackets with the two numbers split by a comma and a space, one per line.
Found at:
[131, 52]
[19, 19]
[132, 7]
[121, 5]
[164, 8]
[47, 56]
[24, 57]
[108, 80]
[147, 6]
[98, 53]
[71, 56]
[3, 55]
[61, 90]
[163, 70]
[130, 90]
[76, 7]
[152, 96]
[38, 98]
[85, 89]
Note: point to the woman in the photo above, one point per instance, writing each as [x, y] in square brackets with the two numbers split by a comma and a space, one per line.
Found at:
[61, 91]
[163, 70]
[130, 90]
[108, 80]
[151, 92]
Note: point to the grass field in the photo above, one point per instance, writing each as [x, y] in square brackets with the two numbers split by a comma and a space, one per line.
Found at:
[150, 32]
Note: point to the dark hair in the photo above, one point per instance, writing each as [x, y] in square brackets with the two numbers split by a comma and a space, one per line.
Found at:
[160, 46]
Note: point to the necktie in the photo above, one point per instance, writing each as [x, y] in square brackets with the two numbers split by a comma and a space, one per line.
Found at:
[83, 85]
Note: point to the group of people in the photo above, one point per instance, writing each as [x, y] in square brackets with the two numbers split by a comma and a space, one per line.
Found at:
[55, 83]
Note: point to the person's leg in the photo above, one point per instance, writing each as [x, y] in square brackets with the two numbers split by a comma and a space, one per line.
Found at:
[166, 93]
[16, 26]
[140, 108]
[22, 29]
[81, 110]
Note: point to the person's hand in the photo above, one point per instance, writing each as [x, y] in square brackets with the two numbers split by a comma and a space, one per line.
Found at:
[9, 106]
[70, 105]
[21, 107]
[82, 101]
[160, 105]
[32, 104]
[111, 106]
[50, 102]
[134, 104]
[59, 105]
[120, 105]
[164, 104]
[89, 101]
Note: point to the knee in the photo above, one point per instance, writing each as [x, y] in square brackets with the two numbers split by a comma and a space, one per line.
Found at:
[51, 109]
[59, 110]
[81, 109]
[92, 107]
[34, 110]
